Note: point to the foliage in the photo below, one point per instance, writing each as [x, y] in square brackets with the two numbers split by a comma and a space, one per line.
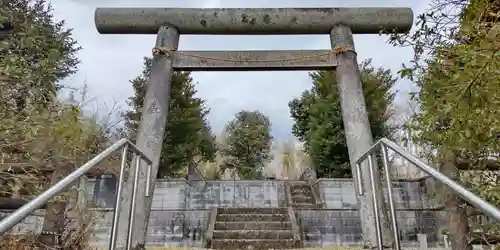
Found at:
[248, 144]
[456, 67]
[209, 169]
[39, 132]
[459, 85]
[36, 129]
[188, 133]
[38, 53]
[48, 139]
[318, 117]
[76, 234]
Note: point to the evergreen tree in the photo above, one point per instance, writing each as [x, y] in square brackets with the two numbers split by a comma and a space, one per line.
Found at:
[247, 144]
[188, 135]
[36, 53]
[318, 118]
[456, 67]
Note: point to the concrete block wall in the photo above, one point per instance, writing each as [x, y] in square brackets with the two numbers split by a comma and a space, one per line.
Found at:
[207, 194]
[418, 213]
[167, 228]
[180, 210]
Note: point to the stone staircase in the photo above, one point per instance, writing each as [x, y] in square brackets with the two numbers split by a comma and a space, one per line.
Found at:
[254, 228]
[302, 195]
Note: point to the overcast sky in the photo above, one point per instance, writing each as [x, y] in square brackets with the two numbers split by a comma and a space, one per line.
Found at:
[110, 61]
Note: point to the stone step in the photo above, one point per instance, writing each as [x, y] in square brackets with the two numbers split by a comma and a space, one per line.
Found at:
[301, 193]
[303, 198]
[300, 190]
[250, 210]
[253, 244]
[251, 225]
[252, 217]
[312, 236]
[299, 185]
[303, 204]
[253, 234]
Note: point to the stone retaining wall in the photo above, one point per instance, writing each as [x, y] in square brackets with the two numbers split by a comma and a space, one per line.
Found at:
[180, 209]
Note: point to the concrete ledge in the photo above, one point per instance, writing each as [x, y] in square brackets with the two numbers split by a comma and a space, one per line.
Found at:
[254, 60]
[270, 21]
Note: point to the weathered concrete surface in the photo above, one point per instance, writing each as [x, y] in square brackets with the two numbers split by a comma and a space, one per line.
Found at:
[266, 237]
[104, 194]
[302, 196]
[149, 139]
[254, 194]
[324, 228]
[251, 21]
[254, 60]
[358, 135]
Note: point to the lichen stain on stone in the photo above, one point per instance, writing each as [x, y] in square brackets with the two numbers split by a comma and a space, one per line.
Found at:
[293, 20]
[216, 14]
[324, 10]
[266, 19]
[244, 18]
[203, 23]
[252, 22]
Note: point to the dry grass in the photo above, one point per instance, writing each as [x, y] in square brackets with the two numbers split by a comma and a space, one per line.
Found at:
[78, 225]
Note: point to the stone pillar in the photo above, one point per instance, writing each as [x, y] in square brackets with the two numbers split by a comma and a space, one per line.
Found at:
[105, 191]
[357, 128]
[150, 137]
[422, 241]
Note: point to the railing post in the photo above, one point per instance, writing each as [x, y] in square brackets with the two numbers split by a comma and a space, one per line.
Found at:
[356, 124]
[376, 208]
[150, 135]
[133, 204]
[116, 212]
[390, 194]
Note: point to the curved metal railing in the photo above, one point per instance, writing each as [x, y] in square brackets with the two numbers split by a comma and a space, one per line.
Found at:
[382, 145]
[20, 214]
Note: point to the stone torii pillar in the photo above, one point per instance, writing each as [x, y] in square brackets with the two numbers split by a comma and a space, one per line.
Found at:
[168, 23]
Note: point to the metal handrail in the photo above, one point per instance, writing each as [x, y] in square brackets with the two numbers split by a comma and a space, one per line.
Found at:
[305, 171]
[484, 206]
[20, 214]
[198, 171]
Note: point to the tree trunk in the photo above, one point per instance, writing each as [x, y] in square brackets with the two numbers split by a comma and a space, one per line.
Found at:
[456, 208]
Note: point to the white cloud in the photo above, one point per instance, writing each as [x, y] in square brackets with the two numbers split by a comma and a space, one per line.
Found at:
[110, 61]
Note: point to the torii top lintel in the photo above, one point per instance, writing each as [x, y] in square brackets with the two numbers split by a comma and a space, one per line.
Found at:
[275, 21]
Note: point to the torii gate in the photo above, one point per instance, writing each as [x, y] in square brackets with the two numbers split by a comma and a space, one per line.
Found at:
[169, 23]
